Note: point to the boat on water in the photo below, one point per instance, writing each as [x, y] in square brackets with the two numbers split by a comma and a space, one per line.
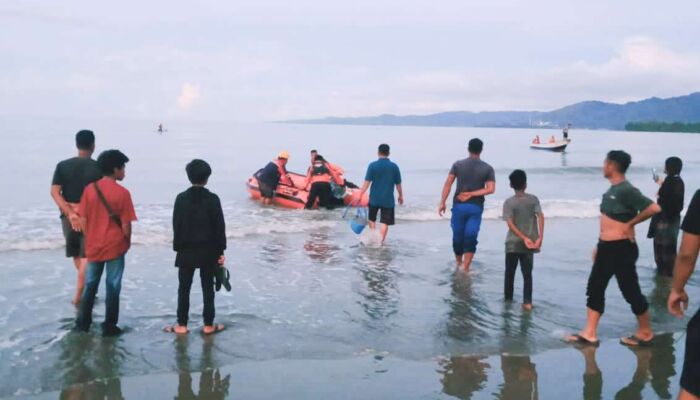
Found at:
[559, 145]
[293, 197]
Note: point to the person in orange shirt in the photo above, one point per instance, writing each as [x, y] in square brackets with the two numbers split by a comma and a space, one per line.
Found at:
[106, 213]
[318, 183]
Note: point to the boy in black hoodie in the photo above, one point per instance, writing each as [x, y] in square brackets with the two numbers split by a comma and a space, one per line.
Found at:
[199, 240]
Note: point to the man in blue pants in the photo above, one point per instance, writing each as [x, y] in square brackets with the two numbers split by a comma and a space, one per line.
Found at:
[475, 179]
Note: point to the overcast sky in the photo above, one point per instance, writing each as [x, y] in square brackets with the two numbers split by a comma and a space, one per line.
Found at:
[267, 60]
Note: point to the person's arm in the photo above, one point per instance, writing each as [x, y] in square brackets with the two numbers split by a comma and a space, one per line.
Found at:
[177, 217]
[128, 215]
[126, 228]
[540, 223]
[219, 229]
[446, 189]
[647, 213]
[65, 208]
[511, 225]
[400, 190]
[489, 188]
[307, 182]
[685, 265]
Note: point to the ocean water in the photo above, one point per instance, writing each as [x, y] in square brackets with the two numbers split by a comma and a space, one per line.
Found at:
[308, 295]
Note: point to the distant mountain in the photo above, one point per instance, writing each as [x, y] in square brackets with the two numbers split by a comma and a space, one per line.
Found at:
[587, 114]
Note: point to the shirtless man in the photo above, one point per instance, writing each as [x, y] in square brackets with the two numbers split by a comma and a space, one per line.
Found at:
[69, 179]
[622, 208]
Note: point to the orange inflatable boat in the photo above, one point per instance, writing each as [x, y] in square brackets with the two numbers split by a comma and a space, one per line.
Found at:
[294, 197]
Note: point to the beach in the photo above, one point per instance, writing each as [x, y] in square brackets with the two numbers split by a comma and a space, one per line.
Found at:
[315, 313]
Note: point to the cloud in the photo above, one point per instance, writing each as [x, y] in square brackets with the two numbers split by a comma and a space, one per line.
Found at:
[189, 96]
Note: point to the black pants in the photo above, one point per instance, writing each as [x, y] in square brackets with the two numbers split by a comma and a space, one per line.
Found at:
[665, 233]
[526, 264]
[322, 192]
[206, 275]
[617, 259]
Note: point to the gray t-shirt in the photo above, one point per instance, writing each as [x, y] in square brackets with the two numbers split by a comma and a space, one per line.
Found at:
[472, 174]
[523, 210]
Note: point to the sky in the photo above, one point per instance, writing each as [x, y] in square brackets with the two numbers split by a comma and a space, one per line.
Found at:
[267, 60]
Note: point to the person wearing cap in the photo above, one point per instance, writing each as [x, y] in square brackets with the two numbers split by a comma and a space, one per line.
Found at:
[274, 173]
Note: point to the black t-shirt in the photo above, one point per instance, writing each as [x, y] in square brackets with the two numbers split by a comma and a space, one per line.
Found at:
[691, 223]
[73, 175]
[270, 175]
[671, 196]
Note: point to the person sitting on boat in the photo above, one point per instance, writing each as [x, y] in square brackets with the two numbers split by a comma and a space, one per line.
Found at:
[318, 184]
[536, 140]
[274, 173]
[552, 139]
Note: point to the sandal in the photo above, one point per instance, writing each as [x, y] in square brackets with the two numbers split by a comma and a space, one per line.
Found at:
[171, 329]
[580, 340]
[634, 341]
[217, 328]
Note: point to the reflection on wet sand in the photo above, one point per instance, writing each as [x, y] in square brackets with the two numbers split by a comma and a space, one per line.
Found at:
[463, 376]
[466, 320]
[85, 358]
[319, 247]
[380, 296]
[519, 378]
[211, 385]
[654, 365]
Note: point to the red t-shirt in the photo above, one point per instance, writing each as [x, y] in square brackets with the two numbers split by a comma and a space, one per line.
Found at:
[104, 239]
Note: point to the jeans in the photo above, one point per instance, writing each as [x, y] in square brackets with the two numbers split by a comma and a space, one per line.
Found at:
[526, 263]
[206, 276]
[466, 221]
[113, 280]
[616, 258]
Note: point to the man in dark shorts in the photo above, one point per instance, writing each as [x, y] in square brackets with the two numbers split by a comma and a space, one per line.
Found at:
[475, 179]
[274, 173]
[383, 175]
[622, 208]
[664, 226]
[69, 179]
[678, 299]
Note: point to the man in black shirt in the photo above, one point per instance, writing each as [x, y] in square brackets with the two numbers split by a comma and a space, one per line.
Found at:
[678, 299]
[69, 179]
[199, 240]
[664, 226]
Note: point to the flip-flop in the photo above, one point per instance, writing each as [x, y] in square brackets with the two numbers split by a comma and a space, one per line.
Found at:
[217, 328]
[171, 329]
[582, 341]
[637, 342]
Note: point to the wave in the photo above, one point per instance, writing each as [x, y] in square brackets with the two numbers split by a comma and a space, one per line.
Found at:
[40, 229]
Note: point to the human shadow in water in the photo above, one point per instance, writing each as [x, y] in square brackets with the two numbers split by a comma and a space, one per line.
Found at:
[462, 376]
[89, 365]
[519, 372]
[467, 316]
[380, 295]
[211, 384]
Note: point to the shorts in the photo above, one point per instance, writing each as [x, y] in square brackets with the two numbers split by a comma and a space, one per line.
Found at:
[386, 217]
[75, 242]
[266, 191]
[690, 377]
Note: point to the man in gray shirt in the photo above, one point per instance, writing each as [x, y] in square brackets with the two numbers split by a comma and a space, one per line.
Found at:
[475, 180]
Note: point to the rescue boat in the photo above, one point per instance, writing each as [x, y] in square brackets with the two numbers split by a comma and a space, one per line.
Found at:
[295, 196]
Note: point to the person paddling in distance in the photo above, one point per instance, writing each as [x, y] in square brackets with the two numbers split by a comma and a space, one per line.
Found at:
[475, 180]
[69, 180]
[622, 208]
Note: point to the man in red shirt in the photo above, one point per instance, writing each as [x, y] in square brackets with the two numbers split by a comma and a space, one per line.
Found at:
[107, 212]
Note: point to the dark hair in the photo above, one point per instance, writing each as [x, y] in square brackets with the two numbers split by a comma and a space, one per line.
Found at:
[518, 179]
[85, 140]
[319, 158]
[621, 159]
[674, 165]
[109, 160]
[314, 151]
[476, 146]
[198, 172]
[384, 149]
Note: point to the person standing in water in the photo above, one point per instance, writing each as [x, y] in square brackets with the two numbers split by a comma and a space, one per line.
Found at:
[678, 299]
[274, 173]
[525, 220]
[475, 180]
[622, 208]
[664, 226]
[199, 238]
[565, 132]
[69, 180]
[383, 175]
[318, 184]
[106, 212]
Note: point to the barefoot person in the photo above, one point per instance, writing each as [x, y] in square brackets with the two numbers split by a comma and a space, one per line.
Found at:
[106, 213]
[622, 208]
[525, 220]
[475, 179]
[678, 299]
[383, 175]
[199, 240]
[273, 174]
[69, 180]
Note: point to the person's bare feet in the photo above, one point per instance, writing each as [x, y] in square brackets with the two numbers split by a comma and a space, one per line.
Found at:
[527, 307]
[177, 329]
[210, 329]
[582, 338]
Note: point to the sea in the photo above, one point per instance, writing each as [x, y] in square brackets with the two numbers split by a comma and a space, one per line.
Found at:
[317, 311]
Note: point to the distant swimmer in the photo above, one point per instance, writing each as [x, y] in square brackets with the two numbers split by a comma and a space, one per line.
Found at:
[475, 180]
[274, 173]
[622, 208]
[69, 180]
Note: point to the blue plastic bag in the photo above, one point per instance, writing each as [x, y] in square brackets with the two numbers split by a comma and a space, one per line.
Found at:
[358, 222]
